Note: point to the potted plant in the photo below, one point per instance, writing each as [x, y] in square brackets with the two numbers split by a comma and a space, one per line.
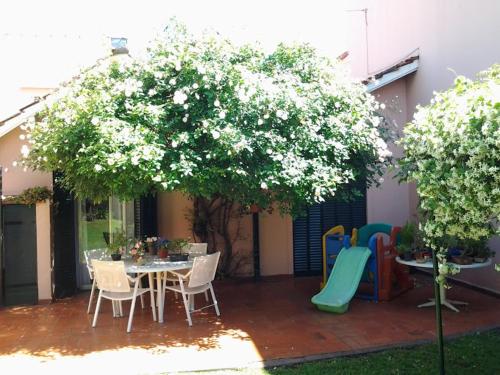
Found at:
[162, 248]
[175, 249]
[405, 247]
[116, 245]
[478, 250]
[151, 245]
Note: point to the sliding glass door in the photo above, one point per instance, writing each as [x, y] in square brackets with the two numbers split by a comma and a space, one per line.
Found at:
[97, 222]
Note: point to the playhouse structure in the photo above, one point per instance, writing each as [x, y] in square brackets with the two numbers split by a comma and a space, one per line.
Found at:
[361, 263]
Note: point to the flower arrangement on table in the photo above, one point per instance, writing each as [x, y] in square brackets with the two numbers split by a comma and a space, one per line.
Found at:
[137, 251]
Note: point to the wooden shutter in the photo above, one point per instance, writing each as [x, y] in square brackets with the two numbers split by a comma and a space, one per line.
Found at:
[1, 244]
[64, 242]
[20, 277]
[308, 230]
[145, 216]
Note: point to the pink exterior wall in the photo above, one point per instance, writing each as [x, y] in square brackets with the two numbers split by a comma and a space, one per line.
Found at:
[390, 202]
[454, 37]
[276, 248]
[173, 222]
[14, 181]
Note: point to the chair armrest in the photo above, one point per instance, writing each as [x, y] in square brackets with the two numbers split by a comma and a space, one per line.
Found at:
[137, 278]
[180, 274]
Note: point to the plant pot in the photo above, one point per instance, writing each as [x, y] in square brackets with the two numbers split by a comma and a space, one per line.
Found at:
[461, 260]
[116, 256]
[162, 253]
[407, 256]
[178, 257]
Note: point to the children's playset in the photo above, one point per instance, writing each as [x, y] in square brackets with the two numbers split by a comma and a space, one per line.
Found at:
[362, 265]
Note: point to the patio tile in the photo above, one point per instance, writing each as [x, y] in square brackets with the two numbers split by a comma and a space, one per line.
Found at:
[264, 321]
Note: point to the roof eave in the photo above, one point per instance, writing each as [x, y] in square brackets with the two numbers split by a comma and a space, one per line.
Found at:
[392, 76]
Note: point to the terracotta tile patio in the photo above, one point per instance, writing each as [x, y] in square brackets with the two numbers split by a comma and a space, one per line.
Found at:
[261, 323]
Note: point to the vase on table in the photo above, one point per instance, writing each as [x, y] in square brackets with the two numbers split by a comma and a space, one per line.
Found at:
[162, 253]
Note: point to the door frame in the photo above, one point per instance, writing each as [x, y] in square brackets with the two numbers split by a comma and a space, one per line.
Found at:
[1, 245]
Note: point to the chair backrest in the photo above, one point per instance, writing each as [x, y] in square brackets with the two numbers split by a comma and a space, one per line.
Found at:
[111, 276]
[197, 249]
[99, 254]
[204, 268]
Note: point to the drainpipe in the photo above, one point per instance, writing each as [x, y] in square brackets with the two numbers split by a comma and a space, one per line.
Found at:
[256, 245]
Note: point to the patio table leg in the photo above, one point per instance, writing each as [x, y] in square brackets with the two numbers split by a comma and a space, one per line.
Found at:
[159, 294]
[152, 294]
[445, 302]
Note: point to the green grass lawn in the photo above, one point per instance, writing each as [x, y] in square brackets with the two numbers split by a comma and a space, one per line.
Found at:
[474, 354]
[95, 237]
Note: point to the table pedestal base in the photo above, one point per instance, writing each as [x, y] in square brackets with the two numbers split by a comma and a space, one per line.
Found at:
[445, 302]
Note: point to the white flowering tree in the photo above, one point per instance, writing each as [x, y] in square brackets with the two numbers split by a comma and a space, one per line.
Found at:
[227, 125]
[452, 151]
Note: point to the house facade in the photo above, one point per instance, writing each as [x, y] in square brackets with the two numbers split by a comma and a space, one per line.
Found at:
[457, 35]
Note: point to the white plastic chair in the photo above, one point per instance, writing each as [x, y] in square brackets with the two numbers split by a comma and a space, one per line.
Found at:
[114, 284]
[194, 249]
[99, 254]
[197, 280]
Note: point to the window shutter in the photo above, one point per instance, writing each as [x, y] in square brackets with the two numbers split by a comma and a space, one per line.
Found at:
[308, 230]
[64, 242]
[146, 216]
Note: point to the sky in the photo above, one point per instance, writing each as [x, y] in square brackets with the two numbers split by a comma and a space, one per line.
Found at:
[45, 42]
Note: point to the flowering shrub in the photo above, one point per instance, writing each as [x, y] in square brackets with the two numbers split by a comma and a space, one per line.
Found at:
[206, 117]
[29, 196]
[215, 121]
[452, 151]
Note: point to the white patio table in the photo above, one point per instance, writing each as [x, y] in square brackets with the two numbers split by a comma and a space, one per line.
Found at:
[442, 291]
[159, 266]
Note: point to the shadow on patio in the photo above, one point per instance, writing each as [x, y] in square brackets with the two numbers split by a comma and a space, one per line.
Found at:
[260, 323]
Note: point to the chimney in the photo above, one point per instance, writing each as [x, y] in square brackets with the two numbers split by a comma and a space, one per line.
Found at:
[119, 46]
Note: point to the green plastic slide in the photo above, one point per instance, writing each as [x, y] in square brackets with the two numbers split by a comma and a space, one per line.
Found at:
[343, 281]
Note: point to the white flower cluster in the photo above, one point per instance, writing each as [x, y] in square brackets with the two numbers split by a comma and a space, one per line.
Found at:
[207, 117]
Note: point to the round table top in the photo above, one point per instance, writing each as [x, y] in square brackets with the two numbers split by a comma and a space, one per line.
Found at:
[155, 265]
[428, 264]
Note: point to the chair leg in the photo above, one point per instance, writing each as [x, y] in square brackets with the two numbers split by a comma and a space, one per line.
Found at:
[206, 295]
[191, 302]
[120, 308]
[132, 307]
[91, 295]
[186, 307]
[215, 300]
[175, 283]
[97, 307]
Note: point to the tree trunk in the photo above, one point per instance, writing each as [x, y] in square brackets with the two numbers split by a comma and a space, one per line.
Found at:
[210, 223]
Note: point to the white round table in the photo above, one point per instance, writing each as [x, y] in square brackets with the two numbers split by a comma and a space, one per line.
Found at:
[160, 267]
[442, 291]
